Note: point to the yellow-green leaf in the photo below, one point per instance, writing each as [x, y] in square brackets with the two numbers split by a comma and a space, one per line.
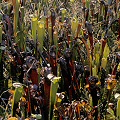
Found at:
[94, 71]
[34, 27]
[53, 91]
[118, 109]
[64, 12]
[74, 25]
[16, 97]
[104, 63]
[16, 4]
[106, 51]
[41, 33]
[97, 59]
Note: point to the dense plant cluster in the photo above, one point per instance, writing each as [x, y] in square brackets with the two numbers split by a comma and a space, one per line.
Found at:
[59, 59]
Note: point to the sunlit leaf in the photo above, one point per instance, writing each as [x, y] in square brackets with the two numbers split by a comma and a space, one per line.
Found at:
[16, 97]
[16, 5]
[118, 109]
[104, 63]
[110, 114]
[34, 28]
[41, 33]
[72, 1]
[37, 116]
[94, 71]
[74, 25]
[64, 12]
[53, 91]
[117, 95]
[106, 51]
[97, 59]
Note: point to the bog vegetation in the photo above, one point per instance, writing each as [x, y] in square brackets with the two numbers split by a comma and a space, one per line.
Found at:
[60, 59]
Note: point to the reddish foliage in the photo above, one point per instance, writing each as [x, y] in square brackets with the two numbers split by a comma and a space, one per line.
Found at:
[34, 76]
